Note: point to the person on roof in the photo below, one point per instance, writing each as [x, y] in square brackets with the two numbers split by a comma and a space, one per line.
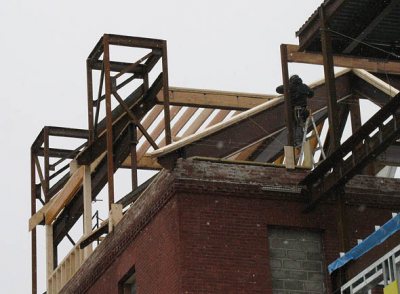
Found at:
[299, 93]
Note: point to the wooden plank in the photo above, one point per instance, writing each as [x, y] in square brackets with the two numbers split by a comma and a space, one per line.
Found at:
[38, 217]
[378, 66]
[87, 207]
[376, 82]
[115, 216]
[214, 99]
[49, 252]
[289, 157]
[246, 153]
[307, 149]
[220, 116]
[65, 195]
[146, 162]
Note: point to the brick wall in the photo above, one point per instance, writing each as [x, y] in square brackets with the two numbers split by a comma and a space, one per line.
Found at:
[208, 233]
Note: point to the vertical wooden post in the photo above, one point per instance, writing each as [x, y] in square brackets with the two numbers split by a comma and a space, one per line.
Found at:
[87, 207]
[308, 160]
[115, 215]
[89, 81]
[49, 252]
[133, 144]
[46, 164]
[288, 102]
[333, 112]
[167, 116]
[355, 114]
[110, 157]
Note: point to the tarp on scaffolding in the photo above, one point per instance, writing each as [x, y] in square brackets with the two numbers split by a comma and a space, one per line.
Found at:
[376, 238]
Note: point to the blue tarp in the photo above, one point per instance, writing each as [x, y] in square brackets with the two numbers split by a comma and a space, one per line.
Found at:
[366, 245]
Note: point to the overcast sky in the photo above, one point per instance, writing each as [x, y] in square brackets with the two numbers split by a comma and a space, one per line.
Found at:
[224, 45]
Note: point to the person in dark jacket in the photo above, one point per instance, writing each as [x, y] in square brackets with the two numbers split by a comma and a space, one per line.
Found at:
[299, 93]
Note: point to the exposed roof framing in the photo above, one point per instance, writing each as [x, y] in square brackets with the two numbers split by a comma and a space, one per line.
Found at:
[265, 129]
[258, 123]
[359, 27]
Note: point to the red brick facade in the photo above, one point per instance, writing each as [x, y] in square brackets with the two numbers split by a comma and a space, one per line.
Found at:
[209, 230]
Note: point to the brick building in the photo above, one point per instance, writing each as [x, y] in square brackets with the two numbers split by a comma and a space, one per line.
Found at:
[217, 227]
[234, 207]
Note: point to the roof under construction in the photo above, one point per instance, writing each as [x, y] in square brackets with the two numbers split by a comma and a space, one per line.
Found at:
[137, 121]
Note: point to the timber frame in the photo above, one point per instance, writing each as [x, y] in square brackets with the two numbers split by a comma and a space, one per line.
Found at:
[146, 124]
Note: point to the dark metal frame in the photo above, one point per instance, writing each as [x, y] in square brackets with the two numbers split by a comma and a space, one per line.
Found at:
[139, 69]
[112, 134]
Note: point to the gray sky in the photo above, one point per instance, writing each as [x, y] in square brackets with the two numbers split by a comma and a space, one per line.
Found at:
[224, 45]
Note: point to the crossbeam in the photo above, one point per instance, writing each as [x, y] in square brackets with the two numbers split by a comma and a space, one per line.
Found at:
[214, 99]
[376, 65]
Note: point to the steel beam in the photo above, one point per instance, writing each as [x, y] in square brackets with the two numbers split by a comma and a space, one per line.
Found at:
[109, 121]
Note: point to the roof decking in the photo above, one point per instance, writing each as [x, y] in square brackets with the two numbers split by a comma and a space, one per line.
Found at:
[365, 28]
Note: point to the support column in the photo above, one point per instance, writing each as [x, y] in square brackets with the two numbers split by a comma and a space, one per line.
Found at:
[133, 144]
[167, 116]
[110, 160]
[46, 164]
[89, 81]
[33, 233]
[326, 44]
[87, 207]
[49, 252]
[288, 102]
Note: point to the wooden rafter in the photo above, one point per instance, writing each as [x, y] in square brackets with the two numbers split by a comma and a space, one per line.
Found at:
[214, 99]
[198, 122]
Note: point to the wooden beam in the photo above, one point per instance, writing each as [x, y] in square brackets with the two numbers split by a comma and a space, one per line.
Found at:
[49, 251]
[220, 116]
[146, 162]
[198, 122]
[214, 99]
[157, 132]
[87, 207]
[38, 217]
[189, 112]
[65, 195]
[115, 216]
[377, 66]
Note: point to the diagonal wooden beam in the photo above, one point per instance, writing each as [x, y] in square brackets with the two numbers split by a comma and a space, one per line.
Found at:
[183, 120]
[135, 120]
[157, 132]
